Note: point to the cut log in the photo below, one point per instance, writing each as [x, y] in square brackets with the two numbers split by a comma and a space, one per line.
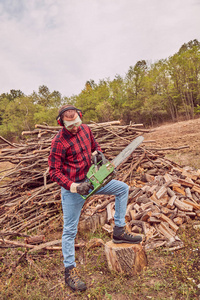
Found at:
[168, 178]
[110, 212]
[151, 190]
[154, 220]
[169, 221]
[33, 240]
[198, 213]
[137, 207]
[146, 215]
[188, 192]
[95, 242]
[161, 192]
[168, 234]
[178, 220]
[179, 190]
[136, 229]
[132, 214]
[193, 175]
[107, 228]
[171, 202]
[170, 192]
[125, 258]
[128, 209]
[185, 182]
[150, 233]
[196, 189]
[147, 178]
[146, 205]
[195, 205]
[164, 200]
[155, 200]
[183, 206]
[92, 222]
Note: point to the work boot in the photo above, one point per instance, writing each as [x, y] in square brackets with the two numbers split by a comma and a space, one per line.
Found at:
[121, 235]
[73, 280]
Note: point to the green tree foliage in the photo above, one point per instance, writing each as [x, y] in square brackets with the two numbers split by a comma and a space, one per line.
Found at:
[184, 69]
[17, 116]
[21, 113]
[149, 93]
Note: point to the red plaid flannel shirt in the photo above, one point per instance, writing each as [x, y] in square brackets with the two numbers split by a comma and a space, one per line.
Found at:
[70, 155]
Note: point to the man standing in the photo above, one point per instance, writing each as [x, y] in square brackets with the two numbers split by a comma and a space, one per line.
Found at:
[69, 161]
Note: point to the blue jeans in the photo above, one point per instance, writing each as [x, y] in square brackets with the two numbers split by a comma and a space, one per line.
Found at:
[72, 204]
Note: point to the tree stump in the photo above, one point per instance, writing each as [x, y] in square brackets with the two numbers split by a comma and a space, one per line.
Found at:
[125, 258]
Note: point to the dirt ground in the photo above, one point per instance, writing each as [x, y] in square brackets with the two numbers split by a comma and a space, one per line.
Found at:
[184, 133]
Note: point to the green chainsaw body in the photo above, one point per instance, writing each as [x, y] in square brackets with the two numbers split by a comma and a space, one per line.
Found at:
[99, 175]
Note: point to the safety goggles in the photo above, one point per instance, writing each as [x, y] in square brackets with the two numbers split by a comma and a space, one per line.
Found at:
[71, 124]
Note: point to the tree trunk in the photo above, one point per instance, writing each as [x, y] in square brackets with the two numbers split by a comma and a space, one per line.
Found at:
[125, 258]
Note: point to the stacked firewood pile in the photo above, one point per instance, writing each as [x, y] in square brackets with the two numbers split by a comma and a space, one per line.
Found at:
[162, 198]
[162, 194]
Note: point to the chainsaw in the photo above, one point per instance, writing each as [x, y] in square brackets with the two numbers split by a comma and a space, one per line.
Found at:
[102, 172]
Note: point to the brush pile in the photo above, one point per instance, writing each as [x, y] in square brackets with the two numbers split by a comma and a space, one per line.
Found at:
[162, 195]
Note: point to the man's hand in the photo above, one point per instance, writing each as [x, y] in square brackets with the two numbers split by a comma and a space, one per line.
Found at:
[98, 156]
[81, 188]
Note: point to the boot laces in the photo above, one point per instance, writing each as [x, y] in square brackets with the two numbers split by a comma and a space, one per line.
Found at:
[74, 276]
[127, 233]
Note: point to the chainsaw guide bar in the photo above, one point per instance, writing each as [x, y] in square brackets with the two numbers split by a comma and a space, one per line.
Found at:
[127, 151]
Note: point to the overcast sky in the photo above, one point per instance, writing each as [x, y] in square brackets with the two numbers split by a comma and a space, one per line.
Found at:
[64, 43]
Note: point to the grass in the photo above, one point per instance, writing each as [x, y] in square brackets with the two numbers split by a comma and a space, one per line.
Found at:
[169, 275]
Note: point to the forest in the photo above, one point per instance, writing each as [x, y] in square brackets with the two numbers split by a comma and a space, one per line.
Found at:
[149, 93]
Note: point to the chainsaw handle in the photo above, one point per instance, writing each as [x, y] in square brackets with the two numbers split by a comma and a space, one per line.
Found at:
[104, 160]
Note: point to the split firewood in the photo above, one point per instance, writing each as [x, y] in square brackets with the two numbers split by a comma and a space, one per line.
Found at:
[196, 189]
[136, 229]
[147, 178]
[198, 213]
[178, 190]
[178, 220]
[151, 245]
[153, 219]
[169, 221]
[93, 243]
[166, 232]
[162, 191]
[188, 193]
[192, 203]
[107, 228]
[170, 203]
[128, 212]
[110, 212]
[183, 206]
[132, 214]
[33, 240]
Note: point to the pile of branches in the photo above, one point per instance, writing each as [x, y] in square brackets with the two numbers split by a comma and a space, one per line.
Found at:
[30, 200]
